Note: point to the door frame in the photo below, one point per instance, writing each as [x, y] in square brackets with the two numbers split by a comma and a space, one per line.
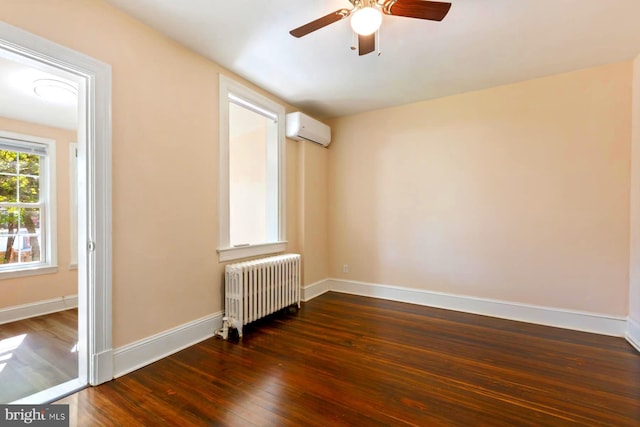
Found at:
[94, 186]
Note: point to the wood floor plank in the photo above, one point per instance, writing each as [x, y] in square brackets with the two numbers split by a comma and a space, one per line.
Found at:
[346, 360]
[42, 359]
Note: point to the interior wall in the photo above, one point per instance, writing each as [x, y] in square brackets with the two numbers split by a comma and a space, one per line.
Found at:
[165, 163]
[634, 282]
[313, 212]
[517, 193]
[30, 289]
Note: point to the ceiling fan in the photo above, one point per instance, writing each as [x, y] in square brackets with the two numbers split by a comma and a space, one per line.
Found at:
[366, 17]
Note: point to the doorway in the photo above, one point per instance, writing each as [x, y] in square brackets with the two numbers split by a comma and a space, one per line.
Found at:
[38, 266]
[92, 80]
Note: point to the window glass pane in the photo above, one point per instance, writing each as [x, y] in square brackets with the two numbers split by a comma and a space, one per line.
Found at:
[29, 189]
[8, 161]
[20, 235]
[9, 224]
[248, 176]
[30, 243]
[8, 188]
[29, 164]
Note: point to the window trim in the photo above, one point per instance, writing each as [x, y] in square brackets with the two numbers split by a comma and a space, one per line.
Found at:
[49, 234]
[73, 205]
[228, 90]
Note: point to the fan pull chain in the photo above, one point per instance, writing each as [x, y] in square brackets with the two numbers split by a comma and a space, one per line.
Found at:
[378, 40]
[353, 40]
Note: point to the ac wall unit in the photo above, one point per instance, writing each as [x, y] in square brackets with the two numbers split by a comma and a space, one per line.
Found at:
[304, 128]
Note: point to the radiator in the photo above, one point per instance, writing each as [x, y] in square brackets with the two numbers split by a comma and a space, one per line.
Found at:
[255, 289]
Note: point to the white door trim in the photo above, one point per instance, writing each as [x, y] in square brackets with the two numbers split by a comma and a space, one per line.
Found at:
[94, 176]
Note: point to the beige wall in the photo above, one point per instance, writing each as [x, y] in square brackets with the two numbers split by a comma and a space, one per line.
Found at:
[314, 210]
[634, 282]
[518, 193]
[165, 106]
[29, 289]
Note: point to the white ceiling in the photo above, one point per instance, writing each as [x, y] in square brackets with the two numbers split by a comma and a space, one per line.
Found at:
[480, 44]
[18, 101]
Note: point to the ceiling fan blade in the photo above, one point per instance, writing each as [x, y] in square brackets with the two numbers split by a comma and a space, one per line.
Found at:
[320, 23]
[421, 9]
[366, 44]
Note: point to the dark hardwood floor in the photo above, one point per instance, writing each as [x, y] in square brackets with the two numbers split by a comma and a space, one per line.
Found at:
[347, 360]
[35, 354]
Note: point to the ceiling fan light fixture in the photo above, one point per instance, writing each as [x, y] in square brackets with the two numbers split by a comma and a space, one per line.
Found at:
[366, 21]
[55, 91]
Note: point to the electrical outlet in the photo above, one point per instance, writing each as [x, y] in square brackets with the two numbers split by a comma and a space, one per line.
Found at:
[345, 268]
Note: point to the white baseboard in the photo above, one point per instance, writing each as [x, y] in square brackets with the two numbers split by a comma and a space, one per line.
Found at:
[313, 290]
[151, 349]
[567, 319]
[633, 333]
[103, 367]
[40, 308]
[146, 351]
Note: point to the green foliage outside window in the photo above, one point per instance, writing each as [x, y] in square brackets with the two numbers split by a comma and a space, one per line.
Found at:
[19, 184]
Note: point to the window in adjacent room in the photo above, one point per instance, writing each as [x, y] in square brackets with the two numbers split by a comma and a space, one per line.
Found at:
[27, 205]
[252, 199]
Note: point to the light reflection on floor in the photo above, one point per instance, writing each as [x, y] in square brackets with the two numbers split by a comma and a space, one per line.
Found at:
[7, 346]
[36, 354]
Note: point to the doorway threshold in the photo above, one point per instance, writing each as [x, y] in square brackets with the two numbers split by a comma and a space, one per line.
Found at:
[52, 394]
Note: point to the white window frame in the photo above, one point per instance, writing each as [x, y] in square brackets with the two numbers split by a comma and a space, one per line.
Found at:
[48, 227]
[230, 89]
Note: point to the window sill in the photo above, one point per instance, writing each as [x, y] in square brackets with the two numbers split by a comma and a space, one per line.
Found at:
[230, 254]
[33, 271]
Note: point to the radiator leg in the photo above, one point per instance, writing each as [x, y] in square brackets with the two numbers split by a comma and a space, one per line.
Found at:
[239, 331]
[224, 331]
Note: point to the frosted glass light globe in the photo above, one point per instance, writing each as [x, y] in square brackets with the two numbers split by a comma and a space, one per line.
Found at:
[366, 21]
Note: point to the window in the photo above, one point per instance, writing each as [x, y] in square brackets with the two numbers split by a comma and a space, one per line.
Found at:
[252, 197]
[27, 207]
